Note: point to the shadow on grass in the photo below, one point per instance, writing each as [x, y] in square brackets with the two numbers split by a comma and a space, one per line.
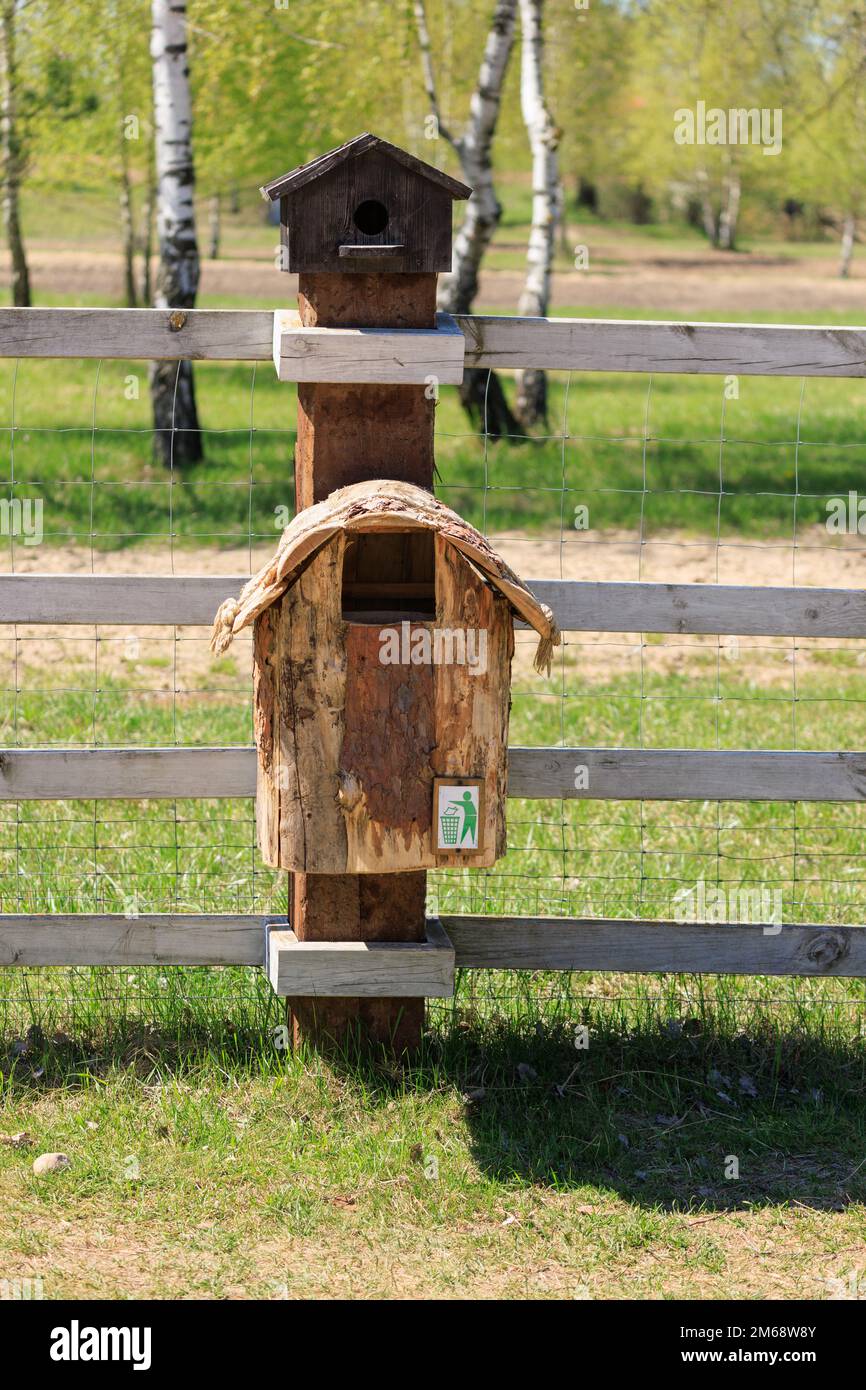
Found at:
[668, 1113]
[676, 1116]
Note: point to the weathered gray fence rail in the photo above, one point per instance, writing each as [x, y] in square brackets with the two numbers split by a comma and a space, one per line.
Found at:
[614, 774]
[580, 606]
[579, 345]
[480, 943]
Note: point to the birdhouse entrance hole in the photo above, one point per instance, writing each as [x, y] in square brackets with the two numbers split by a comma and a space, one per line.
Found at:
[389, 578]
[371, 217]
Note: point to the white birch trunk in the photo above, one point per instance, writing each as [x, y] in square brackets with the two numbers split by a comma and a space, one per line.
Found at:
[481, 393]
[543, 140]
[457, 291]
[849, 232]
[10, 155]
[175, 418]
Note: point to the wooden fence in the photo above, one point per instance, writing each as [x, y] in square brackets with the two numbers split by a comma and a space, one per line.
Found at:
[614, 773]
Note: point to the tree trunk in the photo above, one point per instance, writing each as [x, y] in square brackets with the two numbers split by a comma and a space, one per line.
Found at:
[127, 228]
[730, 213]
[214, 228]
[147, 213]
[849, 232]
[481, 394]
[562, 222]
[10, 154]
[543, 140]
[177, 437]
[708, 215]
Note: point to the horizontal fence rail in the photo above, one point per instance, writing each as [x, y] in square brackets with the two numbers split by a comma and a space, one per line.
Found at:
[220, 335]
[579, 606]
[586, 345]
[685, 774]
[111, 939]
[126, 774]
[605, 774]
[487, 943]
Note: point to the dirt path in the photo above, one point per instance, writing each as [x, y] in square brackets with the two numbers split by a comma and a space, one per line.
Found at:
[160, 662]
[672, 283]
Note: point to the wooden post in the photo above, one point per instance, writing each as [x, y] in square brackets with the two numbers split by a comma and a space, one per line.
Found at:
[368, 227]
[348, 434]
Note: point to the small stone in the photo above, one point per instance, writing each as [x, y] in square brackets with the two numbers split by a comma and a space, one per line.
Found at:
[50, 1163]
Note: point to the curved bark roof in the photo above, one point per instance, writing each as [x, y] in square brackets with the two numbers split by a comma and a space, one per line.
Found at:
[370, 507]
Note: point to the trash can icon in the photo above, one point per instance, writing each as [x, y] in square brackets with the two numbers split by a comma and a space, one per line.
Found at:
[450, 822]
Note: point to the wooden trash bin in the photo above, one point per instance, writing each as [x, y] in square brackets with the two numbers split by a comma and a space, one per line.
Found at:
[381, 709]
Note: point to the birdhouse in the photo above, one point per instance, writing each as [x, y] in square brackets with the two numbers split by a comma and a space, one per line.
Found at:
[381, 708]
[366, 206]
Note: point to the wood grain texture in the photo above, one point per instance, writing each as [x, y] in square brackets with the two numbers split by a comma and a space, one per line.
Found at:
[615, 345]
[550, 943]
[299, 698]
[683, 774]
[123, 600]
[491, 341]
[151, 939]
[346, 434]
[225, 335]
[359, 907]
[135, 774]
[319, 218]
[629, 774]
[350, 744]
[398, 356]
[325, 163]
[579, 606]
[480, 943]
[362, 969]
[744, 611]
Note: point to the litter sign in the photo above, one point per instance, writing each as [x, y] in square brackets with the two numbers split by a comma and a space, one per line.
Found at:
[458, 815]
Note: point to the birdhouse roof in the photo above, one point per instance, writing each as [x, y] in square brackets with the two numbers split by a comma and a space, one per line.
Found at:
[361, 144]
[378, 507]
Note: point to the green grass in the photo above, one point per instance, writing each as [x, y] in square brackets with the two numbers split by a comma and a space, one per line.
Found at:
[637, 453]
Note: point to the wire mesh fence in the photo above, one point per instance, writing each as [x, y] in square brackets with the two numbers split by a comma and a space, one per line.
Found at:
[669, 479]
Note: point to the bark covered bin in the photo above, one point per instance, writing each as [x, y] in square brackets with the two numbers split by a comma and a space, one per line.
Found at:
[381, 709]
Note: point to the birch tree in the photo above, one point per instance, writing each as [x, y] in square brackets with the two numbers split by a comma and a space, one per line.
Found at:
[177, 437]
[543, 141]
[481, 393]
[10, 154]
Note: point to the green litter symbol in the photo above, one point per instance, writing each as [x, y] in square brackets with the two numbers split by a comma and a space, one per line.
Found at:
[450, 821]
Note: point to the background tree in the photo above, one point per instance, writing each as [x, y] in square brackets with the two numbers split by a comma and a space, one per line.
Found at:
[830, 163]
[10, 152]
[177, 436]
[724, 56]
[543, 141]
[481, 391]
